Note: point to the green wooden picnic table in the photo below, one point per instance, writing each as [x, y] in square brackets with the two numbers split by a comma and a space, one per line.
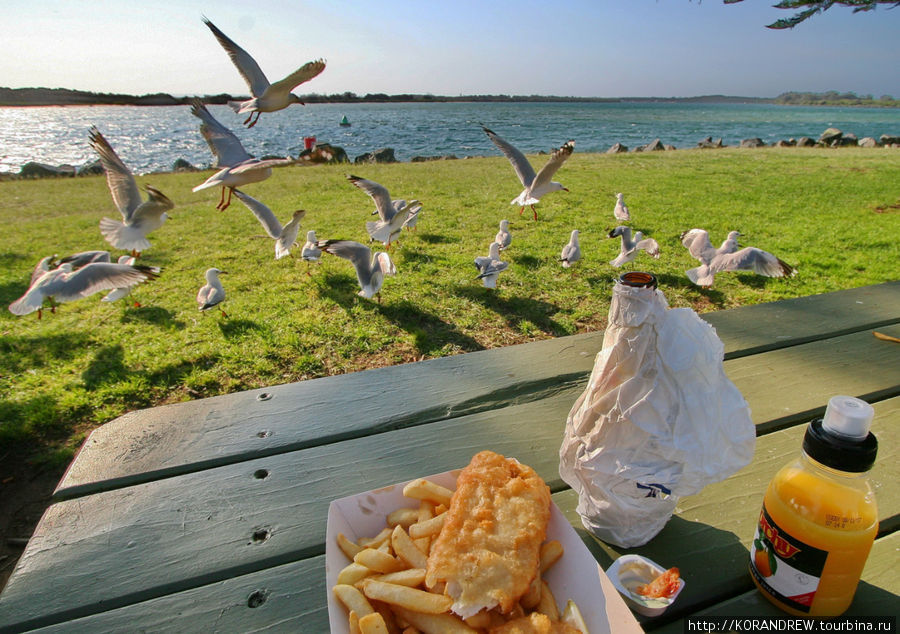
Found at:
[211, 515]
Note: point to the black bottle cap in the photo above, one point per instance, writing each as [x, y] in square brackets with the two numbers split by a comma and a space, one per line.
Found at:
[838, 452]
[638, 279]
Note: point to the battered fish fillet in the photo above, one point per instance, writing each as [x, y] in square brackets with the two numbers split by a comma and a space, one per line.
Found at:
[534, 623]
[488, 551]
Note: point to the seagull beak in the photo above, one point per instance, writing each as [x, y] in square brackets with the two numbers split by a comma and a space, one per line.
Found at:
[565, 189]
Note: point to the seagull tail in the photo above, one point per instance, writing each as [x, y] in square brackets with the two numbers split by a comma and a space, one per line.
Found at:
[380, 231]
[122, 236]
[786, 269]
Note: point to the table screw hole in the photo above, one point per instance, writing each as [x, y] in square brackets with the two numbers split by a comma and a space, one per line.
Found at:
[261, 535]
[261, 474]
[263, 396]
[264, 434]
[257, 598]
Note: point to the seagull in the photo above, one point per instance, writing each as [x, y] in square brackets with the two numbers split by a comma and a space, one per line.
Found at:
[621, 210]
[119, 293]
[266, 97]
[285, 236]
[139, 217]
[503, 237]
[392, 213]
[728, 258]
[370, 269]
[212, 293]
[237, 166]
[490, 267]
[412, 218]
[77, 260]
[630, 247]
[571, 253]
[310, 252]
[535, 185]
[65, 284]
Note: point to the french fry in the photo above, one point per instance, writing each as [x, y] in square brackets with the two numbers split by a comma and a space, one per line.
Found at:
[353, 622]
[375, 542]
[426, 512]
[353, 573]
[412, 577]
[422, 489]
[480, 621]
[547, 604]
[390, 620]
[353, 599]
[373, 624]
[551, 551]
[435, 623]
[533, 596]
[349, 547]
[410, 598]
[378, 561]
[428, 527]
[403, 517]
[406, 550]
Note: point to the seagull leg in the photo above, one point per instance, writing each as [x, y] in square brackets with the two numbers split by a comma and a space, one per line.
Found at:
[228, 202]
[40, 312]
[254, 120]
[221, 200]
[224, 314]
[534, 211]
[521, 210]
[247, 120]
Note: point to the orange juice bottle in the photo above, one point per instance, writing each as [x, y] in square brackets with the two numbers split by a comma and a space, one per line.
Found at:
[819, 517]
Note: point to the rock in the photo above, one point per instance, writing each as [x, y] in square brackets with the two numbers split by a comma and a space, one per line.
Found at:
[845, 140]
[708, 143]
[422, 159]
[324, 153]
[182, 165]
[93, 167]
[805, 141]
[754, 142]
[33, 169]
[654, 146]
[830, 135]
[384, 155]
[669, 147]
[783, 143]
[868, 142]
[618, 148]
[887, 139]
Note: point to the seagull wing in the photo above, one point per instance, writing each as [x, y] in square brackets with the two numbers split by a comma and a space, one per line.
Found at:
[379, 194]
[697, 243]
[752, 259]
[245, 64]
[299, 76]
[224, 145]
[122, 186]
[523, 168]
[98, 276]
[265, 216]
[46, 264]
[77, 260]
[359, 255]
[649, 245]
[152, 208]
[558, 157]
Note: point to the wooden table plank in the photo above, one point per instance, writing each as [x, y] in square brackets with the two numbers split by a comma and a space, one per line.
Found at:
[876, 595]
[183, 437]
[197, 529]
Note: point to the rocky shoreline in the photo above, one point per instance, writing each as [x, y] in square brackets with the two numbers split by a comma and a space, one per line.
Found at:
[327, 153]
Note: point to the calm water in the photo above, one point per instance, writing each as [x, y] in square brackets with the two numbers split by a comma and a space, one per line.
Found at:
[151, 138]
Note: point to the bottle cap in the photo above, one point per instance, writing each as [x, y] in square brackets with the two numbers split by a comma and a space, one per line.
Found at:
[848, 417]
[638, 279]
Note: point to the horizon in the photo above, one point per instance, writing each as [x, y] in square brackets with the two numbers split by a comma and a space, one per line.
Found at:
[587, 50]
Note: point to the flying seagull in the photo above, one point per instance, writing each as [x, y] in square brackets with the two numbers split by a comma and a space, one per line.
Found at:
[503, 237]
[139, 217]
[729, 258]
[630, 246]
[571, 253]
[122, 291]
[490, 266]
[370, 269]
[212, 293]
[536, 185]
[621, 210]
[76, 259]
[236, 166]
[64, 284]
[392, 214]
[285, 236]
[266, 97]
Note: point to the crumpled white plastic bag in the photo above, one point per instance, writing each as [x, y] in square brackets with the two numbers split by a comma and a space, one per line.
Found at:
[658, 420]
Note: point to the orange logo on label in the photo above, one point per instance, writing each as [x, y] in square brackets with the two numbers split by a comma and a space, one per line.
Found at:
[783, 548]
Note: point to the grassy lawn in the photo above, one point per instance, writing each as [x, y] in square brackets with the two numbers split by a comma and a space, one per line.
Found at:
[832, 213]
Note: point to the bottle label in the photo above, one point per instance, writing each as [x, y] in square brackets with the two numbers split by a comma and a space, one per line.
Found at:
[785, 566]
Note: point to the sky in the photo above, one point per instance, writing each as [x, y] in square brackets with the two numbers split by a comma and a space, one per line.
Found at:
[581, 48]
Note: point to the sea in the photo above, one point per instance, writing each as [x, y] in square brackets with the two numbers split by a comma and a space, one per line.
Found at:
[151, 138]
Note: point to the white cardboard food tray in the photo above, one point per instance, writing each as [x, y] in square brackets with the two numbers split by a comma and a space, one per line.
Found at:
[575, 576]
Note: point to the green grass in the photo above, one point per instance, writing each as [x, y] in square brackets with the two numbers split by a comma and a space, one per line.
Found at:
[832, 213]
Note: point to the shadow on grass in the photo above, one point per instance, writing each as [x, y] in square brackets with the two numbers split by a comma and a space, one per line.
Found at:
[526, 261]
[517, 310]
[12, 291]
[154, 315]
[341, 288]
[18, 354]
[236, 328]
[430, 333]
[107, 366]
[435, 238]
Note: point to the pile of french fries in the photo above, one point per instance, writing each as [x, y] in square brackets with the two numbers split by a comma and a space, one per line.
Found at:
[383, 588]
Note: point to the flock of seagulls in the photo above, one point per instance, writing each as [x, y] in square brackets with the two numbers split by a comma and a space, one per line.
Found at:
[57, 281]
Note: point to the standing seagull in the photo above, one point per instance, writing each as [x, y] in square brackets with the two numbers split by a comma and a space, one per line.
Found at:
[621, 210]
[490, 267]
[370, 269]
[285, 236]
[238, 167]
[212, 293]
[571, 253]
[139, 217]
[392, 214]
[310, 252]
[503, 237]
[63, 284]
[536, 185]
[726, 258]
[266, 97]
[630, 247]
